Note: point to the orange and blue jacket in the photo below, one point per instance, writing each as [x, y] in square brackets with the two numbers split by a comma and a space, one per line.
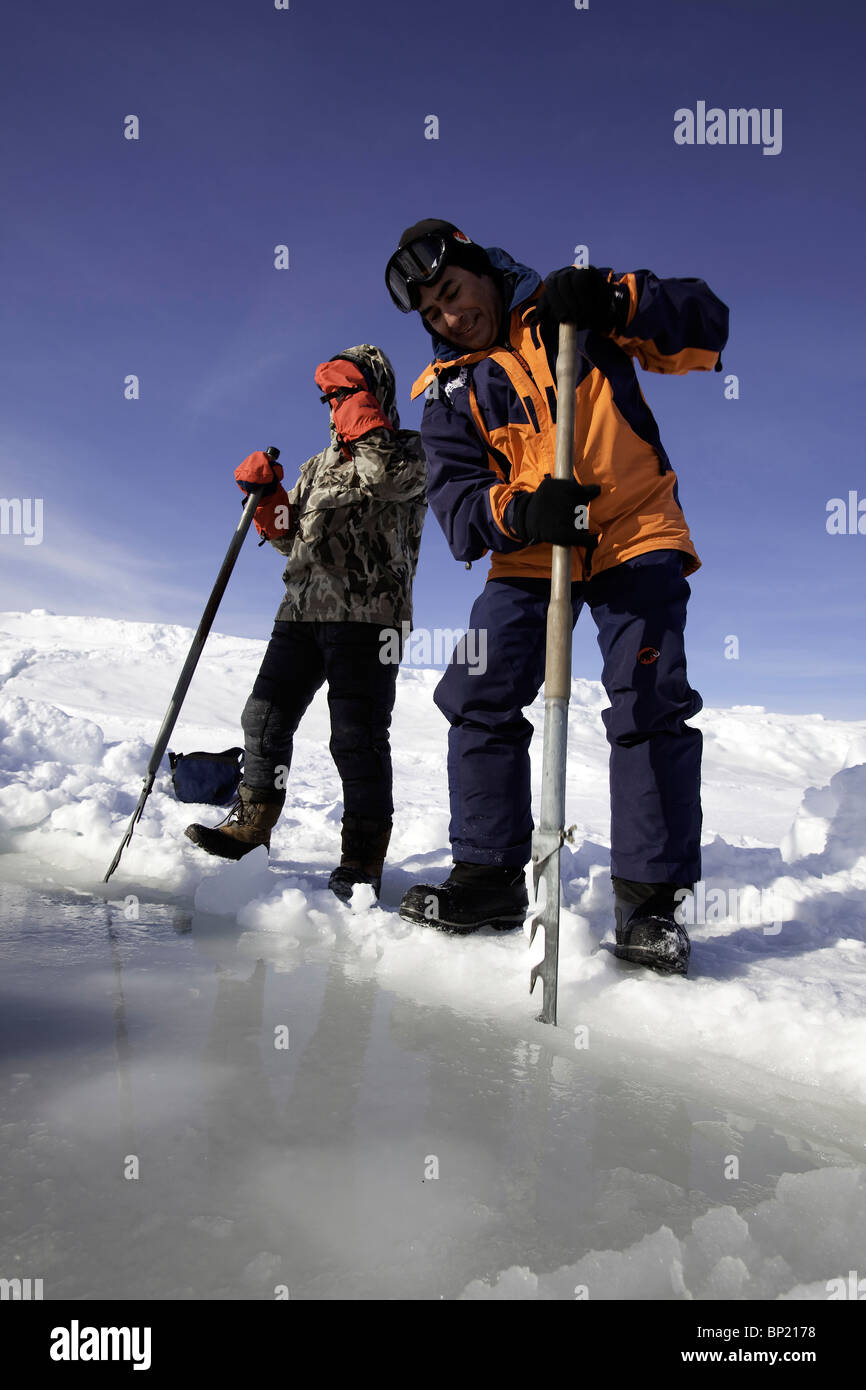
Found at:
[489, 423]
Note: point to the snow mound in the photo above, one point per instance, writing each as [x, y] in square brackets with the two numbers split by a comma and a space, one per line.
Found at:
[778, 977]
[830, 827]
[801, 1244]
[32, 733]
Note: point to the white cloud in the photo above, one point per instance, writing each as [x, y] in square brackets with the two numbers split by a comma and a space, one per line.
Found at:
[84, 571]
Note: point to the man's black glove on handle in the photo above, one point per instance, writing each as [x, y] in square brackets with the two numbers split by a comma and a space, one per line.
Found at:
[551, 513]
[584, 298]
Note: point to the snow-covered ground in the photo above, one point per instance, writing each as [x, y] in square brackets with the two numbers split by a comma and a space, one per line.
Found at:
[671, 1138]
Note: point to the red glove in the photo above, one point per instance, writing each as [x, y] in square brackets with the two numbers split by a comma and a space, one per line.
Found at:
[354, 407]
[273, 517]
[257, 470]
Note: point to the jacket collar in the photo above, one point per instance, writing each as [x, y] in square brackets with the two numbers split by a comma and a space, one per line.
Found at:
[520, 283]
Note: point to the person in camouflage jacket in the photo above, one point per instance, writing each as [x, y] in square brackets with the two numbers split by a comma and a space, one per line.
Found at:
[351, 531]
[353, 545]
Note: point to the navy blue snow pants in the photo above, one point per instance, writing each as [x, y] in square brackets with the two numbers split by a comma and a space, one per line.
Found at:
[639, 609]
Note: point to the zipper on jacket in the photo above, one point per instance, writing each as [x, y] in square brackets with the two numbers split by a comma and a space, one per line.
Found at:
[524, 399]
[587, 550]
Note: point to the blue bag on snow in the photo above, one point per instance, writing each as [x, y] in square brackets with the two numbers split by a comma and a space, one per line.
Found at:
[212, 778]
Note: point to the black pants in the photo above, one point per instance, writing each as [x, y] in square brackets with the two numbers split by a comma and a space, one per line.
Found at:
[361, 689]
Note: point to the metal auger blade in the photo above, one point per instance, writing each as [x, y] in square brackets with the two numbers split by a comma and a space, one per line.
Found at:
[533, 929]
[546, 845]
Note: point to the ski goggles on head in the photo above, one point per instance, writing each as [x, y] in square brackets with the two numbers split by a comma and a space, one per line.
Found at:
[420, 263]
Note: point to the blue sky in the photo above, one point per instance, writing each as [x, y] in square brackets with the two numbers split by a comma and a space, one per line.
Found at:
[306, 127]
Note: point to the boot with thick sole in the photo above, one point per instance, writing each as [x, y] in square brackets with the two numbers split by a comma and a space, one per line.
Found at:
[647, 932]
[473, 896]
[248, 824]
[365, 844]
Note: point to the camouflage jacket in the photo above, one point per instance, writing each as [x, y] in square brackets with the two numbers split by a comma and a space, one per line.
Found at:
[356, 530]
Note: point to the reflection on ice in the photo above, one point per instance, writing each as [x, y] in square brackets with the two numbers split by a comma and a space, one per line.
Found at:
[160, 1140]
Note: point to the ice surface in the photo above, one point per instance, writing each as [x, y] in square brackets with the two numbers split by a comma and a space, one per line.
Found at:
[234, 885]
[307, 1127]
[782, 1247]
[144, 1020]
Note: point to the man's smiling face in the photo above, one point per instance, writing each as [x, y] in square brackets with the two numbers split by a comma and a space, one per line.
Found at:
[463, 308]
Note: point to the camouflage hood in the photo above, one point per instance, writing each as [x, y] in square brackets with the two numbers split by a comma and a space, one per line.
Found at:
[379, 375]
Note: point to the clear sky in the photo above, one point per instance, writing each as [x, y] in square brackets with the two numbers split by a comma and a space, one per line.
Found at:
[306, 127]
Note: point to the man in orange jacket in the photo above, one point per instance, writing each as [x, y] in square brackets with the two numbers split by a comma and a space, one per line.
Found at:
[488, 432]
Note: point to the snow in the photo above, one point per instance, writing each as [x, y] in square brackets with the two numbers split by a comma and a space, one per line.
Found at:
[723, 1256]
[431, 1041]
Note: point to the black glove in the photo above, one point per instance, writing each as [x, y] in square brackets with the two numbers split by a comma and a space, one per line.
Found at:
[584, 298]
[549, 514]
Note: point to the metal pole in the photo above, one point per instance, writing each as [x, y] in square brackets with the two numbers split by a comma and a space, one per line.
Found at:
[191, 662]
[548, 838]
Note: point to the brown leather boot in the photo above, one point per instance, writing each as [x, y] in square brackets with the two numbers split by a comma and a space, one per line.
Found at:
[248, 824]
[365, 844]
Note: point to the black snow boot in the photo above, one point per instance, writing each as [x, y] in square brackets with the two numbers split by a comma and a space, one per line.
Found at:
[647, 932]
[365, 844]
[473, 896]
[248, 824]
